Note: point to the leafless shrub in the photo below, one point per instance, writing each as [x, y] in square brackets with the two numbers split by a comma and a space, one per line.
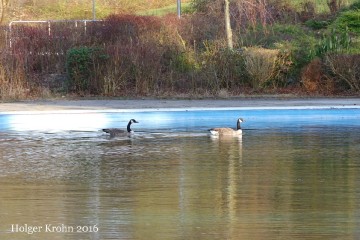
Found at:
[251, 13]
[346, 69]
[334, 5]
[282, 11]
[308, 10]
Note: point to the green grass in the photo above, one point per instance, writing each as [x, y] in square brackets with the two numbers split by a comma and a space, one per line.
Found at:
[82, 9]
[165, 10]
[321, 5]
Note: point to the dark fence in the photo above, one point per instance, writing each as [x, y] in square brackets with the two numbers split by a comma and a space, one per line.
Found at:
[43, 45]
[44, 37]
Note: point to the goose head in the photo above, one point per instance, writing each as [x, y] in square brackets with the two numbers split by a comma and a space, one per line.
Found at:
[133, 121]
[240, 120]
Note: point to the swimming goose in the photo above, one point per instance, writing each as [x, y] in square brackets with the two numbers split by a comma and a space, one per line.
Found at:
[228, 131]
[117, 131]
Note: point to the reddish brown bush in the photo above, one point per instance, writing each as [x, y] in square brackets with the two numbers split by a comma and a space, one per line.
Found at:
[124, 29]
[315, 80]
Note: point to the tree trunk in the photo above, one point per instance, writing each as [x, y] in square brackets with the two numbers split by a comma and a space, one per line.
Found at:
[228, 29]
[3, 6]
[2, 10]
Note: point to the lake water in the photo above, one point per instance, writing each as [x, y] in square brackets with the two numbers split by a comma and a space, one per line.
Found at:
[294, 174]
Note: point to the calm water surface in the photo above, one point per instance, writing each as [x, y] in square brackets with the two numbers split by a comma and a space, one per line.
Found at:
[284, 179]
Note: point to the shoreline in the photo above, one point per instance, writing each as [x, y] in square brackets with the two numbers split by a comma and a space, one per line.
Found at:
[158, 104]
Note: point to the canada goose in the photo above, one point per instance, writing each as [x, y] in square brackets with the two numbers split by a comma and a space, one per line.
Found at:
[228, 131]
[117, 131]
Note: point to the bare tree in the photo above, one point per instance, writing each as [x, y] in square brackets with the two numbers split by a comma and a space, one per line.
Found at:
[228, 29]
[248, 13]
[3, 6]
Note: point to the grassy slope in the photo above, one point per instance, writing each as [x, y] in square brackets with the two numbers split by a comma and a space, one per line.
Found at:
[164, 10]
[82, 9]
[321, 6]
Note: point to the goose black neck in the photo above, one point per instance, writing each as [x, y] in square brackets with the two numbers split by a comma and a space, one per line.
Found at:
[238, 125]
[128, 126]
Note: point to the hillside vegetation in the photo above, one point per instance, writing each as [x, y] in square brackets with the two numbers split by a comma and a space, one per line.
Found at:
[297, 47]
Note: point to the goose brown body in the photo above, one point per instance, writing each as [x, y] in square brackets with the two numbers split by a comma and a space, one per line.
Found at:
[225, 131]
[116, 132]
[120, 132]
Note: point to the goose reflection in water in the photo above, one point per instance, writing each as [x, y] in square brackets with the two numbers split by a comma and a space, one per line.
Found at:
[230, 148]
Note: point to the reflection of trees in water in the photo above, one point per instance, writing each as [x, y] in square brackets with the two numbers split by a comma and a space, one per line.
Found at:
[57, 156]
